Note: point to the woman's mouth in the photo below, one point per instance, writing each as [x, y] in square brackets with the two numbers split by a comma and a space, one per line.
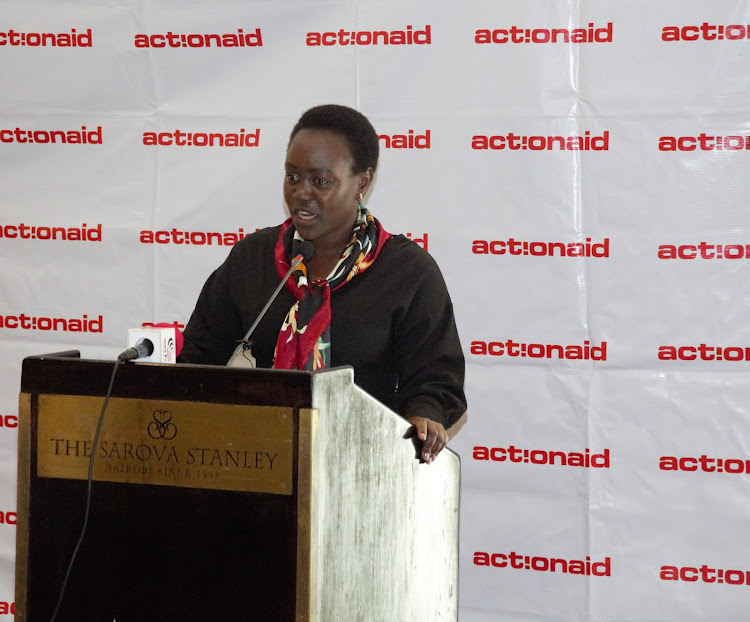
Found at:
[305, 215]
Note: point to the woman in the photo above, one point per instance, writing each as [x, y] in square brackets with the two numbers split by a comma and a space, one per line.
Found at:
[366, 298]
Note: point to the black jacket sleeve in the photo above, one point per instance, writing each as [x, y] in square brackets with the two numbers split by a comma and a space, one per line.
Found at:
[428, 352]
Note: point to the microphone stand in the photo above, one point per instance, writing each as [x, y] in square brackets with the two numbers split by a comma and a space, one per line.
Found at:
[246, 343]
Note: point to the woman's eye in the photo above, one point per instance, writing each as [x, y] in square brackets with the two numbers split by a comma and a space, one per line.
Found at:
[291, 177]
[321, 182]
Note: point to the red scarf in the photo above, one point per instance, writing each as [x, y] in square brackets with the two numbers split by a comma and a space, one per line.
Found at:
[305, 337]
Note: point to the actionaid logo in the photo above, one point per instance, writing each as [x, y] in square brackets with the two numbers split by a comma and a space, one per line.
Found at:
[704, 464]
[705, 574]
[523, 142]
[180, 138]
[72, 325]
[84, 233]
[511, 246]
[178, 325]
[72, 39]
[196, 238]
[515, 34]
[409, 36]
[238, 39]
[8, 518]
[704, 352]
[422, 240]
[515, 349]
[706, 32]
[8, 421]
[519, 455]
[517, 561]
[704, 250]
[410, 140]
[84, 136]
[705, 142]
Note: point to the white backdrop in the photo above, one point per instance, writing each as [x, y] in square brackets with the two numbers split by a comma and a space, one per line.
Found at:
[653, 527]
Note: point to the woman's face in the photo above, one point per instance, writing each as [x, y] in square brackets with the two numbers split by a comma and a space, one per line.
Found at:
[320, 189]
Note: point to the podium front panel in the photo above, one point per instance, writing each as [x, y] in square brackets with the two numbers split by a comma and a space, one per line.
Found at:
[157, 551]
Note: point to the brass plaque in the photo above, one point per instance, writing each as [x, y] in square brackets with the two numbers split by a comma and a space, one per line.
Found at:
[167, 443]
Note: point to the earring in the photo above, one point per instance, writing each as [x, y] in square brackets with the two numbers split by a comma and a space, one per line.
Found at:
[360, 196]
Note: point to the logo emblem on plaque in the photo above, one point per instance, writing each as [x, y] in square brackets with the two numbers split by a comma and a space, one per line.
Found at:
[162, 427]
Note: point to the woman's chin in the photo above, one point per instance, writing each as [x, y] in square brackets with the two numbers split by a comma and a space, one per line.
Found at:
[307, 227]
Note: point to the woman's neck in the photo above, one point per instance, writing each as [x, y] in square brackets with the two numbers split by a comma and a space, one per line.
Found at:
[322, 262]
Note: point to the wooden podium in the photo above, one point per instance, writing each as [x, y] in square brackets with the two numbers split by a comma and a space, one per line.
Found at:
[227, 494]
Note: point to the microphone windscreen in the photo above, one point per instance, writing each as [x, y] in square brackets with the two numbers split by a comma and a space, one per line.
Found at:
[307, 250]
[178, 337]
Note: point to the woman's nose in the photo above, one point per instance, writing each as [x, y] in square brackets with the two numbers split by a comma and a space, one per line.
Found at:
[303, 189]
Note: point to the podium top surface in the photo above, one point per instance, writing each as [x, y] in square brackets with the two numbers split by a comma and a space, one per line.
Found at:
[206, 383]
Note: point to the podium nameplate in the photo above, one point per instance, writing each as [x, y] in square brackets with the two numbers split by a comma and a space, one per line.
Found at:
[167, 443]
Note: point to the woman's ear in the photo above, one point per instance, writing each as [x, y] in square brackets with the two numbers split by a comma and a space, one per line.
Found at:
[365, 180]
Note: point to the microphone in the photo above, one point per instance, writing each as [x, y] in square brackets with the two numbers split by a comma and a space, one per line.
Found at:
[142, 349]
[239, 357]
[306, 251]
[157, 343]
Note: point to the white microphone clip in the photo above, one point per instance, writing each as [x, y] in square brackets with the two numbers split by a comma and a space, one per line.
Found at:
[163, 340]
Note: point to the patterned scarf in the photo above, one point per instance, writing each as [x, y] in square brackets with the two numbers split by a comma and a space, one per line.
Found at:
[305, 337]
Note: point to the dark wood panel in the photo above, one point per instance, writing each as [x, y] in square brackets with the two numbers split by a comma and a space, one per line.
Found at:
[157, 552]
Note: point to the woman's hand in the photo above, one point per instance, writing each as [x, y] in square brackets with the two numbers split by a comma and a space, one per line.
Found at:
[433, 437]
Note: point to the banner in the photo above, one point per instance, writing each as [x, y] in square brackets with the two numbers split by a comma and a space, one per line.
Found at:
[578, 171]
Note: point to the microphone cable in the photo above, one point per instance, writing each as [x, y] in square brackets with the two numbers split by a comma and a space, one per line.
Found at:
[88, 490]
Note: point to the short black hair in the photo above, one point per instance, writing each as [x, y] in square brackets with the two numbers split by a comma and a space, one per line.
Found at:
[355, 127]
